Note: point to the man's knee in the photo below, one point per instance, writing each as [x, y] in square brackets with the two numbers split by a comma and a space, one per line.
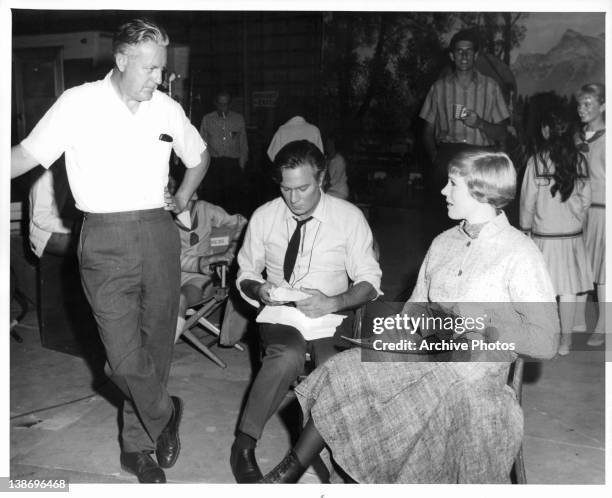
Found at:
[288, 360]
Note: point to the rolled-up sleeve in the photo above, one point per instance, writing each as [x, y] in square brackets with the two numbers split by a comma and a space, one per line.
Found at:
[252, 256]
[361, 263]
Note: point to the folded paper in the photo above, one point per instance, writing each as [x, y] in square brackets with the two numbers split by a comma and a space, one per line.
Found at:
[311, 328]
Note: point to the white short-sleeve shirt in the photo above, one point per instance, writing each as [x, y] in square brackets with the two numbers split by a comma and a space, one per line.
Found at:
[116, 160]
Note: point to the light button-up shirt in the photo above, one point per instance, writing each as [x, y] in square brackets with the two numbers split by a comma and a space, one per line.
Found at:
[335, 247]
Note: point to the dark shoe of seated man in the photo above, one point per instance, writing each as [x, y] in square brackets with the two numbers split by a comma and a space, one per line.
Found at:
[168, 443]
[242, 460]
[143, 466]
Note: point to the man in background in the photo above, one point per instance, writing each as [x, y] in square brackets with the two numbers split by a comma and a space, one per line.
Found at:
[296, 128]
[462, 111]
[224, 132]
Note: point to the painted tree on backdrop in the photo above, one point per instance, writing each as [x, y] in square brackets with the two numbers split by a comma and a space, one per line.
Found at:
[378, 66]
[501, 32]
[374, 66]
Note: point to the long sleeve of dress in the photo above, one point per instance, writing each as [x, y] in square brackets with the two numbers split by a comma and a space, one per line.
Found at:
[584, 193]
[420, 291]
[530, 321]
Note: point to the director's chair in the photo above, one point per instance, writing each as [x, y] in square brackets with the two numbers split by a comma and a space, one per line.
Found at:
[199, 313]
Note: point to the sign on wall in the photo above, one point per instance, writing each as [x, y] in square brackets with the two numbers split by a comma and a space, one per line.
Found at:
[265, 98]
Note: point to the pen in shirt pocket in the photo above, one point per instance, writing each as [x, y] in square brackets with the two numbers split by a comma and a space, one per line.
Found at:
[165, 138]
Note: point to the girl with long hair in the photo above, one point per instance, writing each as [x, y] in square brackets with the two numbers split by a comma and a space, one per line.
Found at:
[555, 196]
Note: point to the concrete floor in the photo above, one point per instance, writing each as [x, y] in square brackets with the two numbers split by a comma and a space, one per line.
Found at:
[64, 422]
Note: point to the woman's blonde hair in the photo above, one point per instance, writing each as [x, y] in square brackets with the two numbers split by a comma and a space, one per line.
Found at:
[597, 90]
[489, 176]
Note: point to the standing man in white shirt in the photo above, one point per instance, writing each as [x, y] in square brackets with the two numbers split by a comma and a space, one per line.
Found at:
[117, 135]
[224, 132]
[306, 240]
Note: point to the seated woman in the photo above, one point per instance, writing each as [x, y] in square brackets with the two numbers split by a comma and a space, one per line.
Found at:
[197, 255]
[432, 421]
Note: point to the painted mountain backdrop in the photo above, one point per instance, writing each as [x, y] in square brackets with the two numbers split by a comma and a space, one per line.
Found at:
[577, 59]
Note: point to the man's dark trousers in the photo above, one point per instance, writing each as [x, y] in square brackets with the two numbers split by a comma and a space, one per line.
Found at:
[130, 271]
[285, 351]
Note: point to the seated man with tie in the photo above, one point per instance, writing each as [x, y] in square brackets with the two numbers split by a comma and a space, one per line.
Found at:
[305, 240]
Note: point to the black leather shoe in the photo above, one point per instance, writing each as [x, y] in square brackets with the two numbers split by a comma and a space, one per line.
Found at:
[288, 471]
[244, 465]
[143, 466]
[168, 443]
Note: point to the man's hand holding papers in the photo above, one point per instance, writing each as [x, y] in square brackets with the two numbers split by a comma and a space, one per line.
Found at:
[317, 304]
[311, 302]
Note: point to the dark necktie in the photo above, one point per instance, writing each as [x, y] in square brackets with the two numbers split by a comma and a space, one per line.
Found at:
[292, 249]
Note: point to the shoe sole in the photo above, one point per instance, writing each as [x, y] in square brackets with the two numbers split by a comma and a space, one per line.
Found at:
[179, 417]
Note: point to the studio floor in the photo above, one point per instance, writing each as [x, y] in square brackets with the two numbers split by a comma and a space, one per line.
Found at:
[64, 418]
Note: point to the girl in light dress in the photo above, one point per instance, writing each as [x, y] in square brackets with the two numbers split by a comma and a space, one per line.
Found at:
[591, 141]
[555, 196]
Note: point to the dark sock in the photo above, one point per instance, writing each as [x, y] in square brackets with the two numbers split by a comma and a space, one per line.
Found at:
[244, 441]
